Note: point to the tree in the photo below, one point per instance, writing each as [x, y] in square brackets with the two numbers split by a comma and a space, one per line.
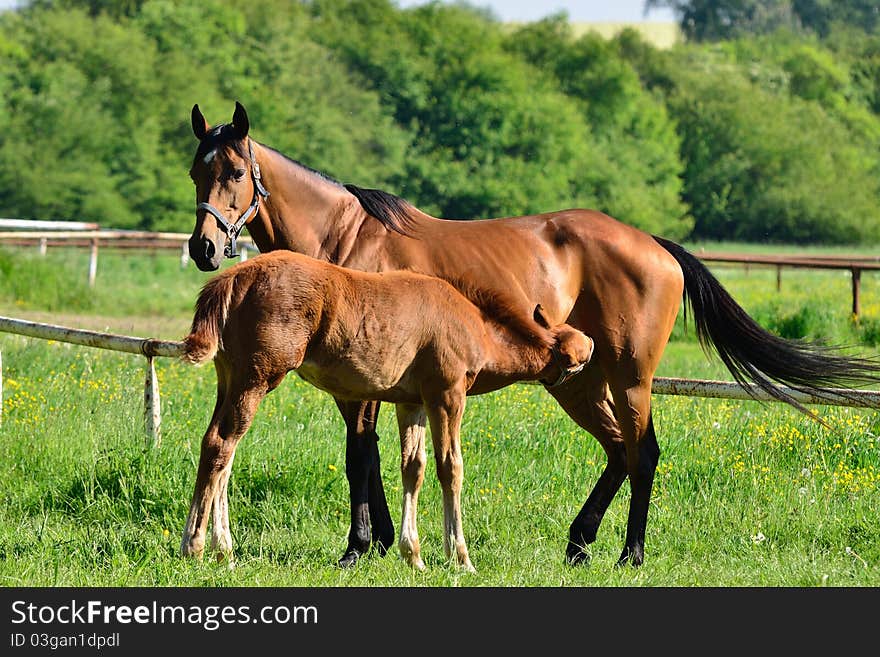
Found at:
[712, 20]
[634, 168]
[764, 166]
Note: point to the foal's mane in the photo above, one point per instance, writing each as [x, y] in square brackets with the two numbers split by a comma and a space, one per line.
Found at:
[501, 310]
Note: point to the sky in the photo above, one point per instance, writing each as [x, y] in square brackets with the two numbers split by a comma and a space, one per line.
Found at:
[578, 10]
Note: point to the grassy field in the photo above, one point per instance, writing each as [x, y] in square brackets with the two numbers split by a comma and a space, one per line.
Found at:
[746, 494]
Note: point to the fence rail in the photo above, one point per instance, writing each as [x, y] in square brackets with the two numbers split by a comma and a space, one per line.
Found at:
[24, 224]
[92, 239]
[80, 234]
[854, 264]
[147, 347]
[152, 348]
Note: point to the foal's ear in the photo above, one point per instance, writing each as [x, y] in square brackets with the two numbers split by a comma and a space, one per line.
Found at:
[199, 124]
[240, 121]
[540, 317]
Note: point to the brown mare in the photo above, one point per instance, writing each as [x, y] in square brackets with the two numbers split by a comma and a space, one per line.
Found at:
[619, 285]
[399, 337]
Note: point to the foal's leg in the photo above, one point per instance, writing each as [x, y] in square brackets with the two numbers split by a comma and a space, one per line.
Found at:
[368, 503]
[411, 423]
[221, 537]
[445, 412]
[229, 423]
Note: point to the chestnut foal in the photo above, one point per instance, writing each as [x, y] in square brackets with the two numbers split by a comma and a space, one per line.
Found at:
[399, 337]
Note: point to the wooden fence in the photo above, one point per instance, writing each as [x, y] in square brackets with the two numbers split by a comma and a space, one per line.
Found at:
[44, 234]
[147, 347]
[854, 264]
[94, 239]
[151, 348]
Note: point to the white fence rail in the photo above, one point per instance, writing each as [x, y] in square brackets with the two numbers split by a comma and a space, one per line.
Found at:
[147, 347]
[34, 224]
[151, 348]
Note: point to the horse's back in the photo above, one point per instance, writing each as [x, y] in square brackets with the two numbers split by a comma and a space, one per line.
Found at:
[556, 259]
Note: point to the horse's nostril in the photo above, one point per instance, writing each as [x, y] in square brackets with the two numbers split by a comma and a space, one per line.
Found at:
[209, 249]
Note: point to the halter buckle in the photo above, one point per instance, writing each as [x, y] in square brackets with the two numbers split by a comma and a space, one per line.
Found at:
[230, 250]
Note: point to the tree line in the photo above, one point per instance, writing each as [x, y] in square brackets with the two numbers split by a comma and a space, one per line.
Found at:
[758, 134]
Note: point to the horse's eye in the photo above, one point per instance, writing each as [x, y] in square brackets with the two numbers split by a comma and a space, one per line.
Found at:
[239, 174]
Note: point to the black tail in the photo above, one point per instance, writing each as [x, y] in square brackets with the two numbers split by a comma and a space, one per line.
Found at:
[753, 354]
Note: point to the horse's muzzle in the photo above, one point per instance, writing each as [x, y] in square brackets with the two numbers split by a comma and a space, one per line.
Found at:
[204, 253]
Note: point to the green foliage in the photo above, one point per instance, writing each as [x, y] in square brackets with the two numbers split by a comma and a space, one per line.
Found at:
[634, 166]
[481, 146]
[774, 135]
[766, 166]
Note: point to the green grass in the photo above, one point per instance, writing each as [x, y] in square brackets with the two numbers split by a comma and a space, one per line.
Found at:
[746, 494]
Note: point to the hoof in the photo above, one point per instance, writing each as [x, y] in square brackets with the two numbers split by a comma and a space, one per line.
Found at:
[575, 555]
[191, 552]
[225, 558]
[349, 559]
[632, 557]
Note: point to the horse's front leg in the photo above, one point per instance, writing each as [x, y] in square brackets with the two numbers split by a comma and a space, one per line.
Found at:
[230, 422]
[411, 423]
[367, 495]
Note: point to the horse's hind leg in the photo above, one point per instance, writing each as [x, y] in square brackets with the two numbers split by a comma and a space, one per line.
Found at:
[642, 455]
[445, 412]
[585, 399]
[362, 468]
[411, 424]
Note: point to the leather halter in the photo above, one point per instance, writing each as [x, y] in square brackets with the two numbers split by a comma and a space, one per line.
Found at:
[233, 230]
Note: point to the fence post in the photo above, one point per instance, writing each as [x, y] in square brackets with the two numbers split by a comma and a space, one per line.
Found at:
[1, 387]
[243, 255]
[184, 255]
[152, 412]
[93, 262]
[856, 286]
[43, 245]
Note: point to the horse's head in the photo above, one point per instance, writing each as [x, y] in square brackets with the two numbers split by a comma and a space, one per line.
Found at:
[227, 198]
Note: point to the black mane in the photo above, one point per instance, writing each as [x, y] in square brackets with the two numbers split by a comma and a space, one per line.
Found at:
[392, 211]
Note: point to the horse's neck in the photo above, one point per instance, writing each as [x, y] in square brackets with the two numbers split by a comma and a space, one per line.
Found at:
[301, 209]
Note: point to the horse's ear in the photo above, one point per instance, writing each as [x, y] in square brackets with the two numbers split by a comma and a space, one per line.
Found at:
[199, 124]
[240, 121]
[540, 317]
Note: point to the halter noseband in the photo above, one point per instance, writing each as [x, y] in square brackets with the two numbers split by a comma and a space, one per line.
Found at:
[233, 230]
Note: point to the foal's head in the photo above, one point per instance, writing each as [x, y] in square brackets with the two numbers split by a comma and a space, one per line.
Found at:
[228, 187]
[572, 349]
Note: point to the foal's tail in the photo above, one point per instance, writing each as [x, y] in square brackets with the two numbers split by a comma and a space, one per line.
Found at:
[212, 309]
[753, 354]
